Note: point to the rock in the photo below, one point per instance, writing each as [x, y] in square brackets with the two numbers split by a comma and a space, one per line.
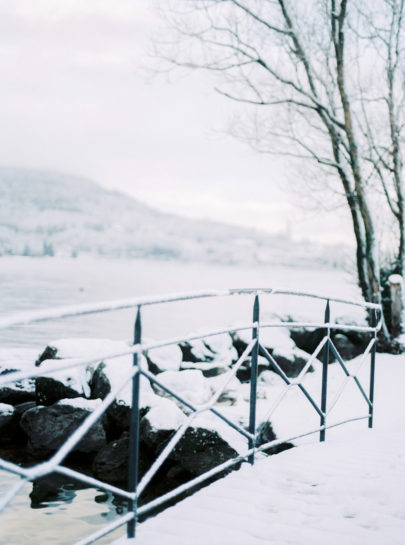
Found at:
[7, 416]
[109, 375]
[81, 348]
[69, 383]
[111, 462]
[74, 382]
[243, 373]
[222, 347]
[160, 423]
[307, 339]
[270, 378]
[16, 392]
[208, 369]
[49, 353]
[201, 448]
[351, 343]
[167, 358]
[190, 385]
[293, 362]
[232, 392]
[265, 434]
[48, 390]
[196, 351]
[48, 428]
[346, 348]
[280, 345]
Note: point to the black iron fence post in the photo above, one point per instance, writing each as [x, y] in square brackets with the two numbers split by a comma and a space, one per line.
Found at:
[253, 378]
[133, 457]
[373, 323]
[325, 363]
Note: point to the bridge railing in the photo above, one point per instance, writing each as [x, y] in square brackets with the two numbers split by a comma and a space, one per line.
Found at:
[253, 350]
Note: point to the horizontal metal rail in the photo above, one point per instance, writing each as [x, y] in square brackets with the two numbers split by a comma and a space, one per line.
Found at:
[192, 411]
[24, 318]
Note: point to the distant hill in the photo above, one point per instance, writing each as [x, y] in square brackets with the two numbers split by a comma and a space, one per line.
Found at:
[47, 213]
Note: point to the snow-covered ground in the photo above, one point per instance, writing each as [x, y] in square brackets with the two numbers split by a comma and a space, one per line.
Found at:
[348, 490]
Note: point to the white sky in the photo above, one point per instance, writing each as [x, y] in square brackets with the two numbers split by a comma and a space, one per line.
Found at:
[75, 97]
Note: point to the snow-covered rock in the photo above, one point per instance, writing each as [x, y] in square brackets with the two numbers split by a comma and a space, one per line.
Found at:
[281, 346]
[196, 351]
[232, 391]
[222, 347]
[203, 446]
[73, 382]
[7, 413]
[167, 358]
[190, 385]
[14, 360]
[69, 383]
[208, 368]
[14, 393]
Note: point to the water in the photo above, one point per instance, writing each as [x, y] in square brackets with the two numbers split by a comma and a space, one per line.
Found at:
[35, 283]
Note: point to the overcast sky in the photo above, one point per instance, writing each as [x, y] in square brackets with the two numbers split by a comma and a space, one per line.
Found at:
[75, 97]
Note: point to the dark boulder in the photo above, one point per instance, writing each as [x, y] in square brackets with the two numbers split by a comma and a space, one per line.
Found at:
[48, 428]
[200, 448]
[16, 392]
[7, 417]
[49, 390]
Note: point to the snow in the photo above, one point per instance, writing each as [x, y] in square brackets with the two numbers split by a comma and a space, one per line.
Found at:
[6, 410]
[189, 384]
[76, 379]
[167, 358]
[346, 490]
[86, 347]
[395, 279]
[18, 358]
[165, 415]
[81, 403]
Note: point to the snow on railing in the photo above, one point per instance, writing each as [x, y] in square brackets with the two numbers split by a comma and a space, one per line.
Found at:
[253, 350]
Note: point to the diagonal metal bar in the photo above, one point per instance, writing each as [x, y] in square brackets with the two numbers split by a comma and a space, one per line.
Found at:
[165, 453]
[105, 530]
[278, 401]
[62, 470]
[347, 378]
[183, 428]
[192, 407]
[270, 358]
[13, 468]
[229, 463]
[229, 376]
[87, 423]
[311, 359]
[263, 352]
[356, 380]
[339, 358]
[13, 491]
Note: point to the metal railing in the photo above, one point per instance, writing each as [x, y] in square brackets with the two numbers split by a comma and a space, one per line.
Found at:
[253, 350]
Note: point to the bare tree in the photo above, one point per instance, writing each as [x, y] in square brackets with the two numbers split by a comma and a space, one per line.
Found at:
[324, 79]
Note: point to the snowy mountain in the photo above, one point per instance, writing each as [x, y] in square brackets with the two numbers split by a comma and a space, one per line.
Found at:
[47, 213]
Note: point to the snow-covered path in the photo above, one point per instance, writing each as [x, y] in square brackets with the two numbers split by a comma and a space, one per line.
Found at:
[349, 490]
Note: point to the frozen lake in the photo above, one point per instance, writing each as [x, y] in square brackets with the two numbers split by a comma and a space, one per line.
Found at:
[36, 283]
